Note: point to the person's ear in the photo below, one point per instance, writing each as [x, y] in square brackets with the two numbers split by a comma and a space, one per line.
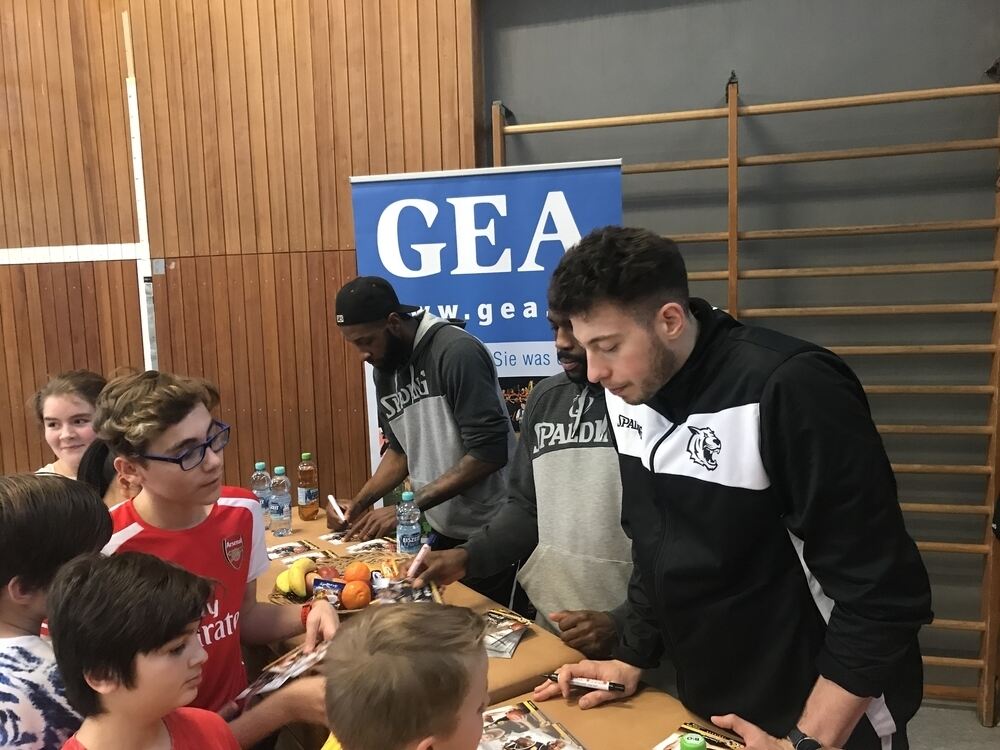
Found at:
[101, 685]
[128, 470]
[427, 743]
[670, 321]
[19, 593]
[394, 324]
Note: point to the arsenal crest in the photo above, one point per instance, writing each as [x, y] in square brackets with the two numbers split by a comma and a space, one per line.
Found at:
[233, 549]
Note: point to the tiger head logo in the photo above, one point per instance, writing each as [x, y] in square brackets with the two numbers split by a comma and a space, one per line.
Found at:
[704, 447]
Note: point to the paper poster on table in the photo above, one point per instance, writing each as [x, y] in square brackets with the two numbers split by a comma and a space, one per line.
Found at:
[479, 246]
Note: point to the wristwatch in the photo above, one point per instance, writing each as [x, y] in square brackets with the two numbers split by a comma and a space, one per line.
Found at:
[802, 741]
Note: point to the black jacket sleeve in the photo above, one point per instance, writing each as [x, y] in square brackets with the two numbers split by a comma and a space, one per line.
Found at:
[829, 469]
[640, 642]
[512, 534]
[471, 387]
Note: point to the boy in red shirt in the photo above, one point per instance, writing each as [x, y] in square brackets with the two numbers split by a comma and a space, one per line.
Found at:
[125, 633]
[166, 441]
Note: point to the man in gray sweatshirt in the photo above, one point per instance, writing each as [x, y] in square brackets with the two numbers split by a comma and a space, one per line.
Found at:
[443, 415]
[563, 509]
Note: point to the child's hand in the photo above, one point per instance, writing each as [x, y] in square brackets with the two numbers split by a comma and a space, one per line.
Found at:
[321, 624]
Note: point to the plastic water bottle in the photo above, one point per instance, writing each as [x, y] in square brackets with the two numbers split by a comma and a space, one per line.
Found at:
[260, 485]
[407, 525]
[281, 503]
[308, 487]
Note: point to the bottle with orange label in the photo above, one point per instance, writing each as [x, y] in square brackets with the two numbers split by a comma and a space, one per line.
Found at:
[308, 486]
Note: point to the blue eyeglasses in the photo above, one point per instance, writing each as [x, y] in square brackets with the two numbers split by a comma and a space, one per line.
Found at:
[192, 457]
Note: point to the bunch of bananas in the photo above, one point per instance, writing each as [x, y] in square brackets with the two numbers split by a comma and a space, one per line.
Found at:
[293, 580]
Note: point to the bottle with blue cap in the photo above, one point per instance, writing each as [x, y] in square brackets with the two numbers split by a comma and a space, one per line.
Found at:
[407, 525]
[260, 485]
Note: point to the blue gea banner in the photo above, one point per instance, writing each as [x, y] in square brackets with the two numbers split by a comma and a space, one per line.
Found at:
[480, 245]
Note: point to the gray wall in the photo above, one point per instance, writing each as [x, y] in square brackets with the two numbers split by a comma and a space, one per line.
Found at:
[565, 59]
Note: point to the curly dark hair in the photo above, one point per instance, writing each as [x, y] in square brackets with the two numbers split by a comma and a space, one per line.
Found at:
[634, 268]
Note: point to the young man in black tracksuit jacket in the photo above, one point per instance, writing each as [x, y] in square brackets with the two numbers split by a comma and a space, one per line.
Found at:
[771, 560]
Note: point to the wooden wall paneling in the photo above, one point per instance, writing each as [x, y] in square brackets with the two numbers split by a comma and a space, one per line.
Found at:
[158, 105]
[21, 382]
[430, 84]
[180, 143]
[256, 340]
[308, 157]
[105, 318]
[304, 309]
[195, 344]
[148, 129]
[469, 68]
[118, 163]
[392, 89]
[342, 107]
[249, 120]
[451, 152]
[291, 147]
[357, 413]
[210, 178]
[34, 345]
[77, 319]
[273, 125]
[224, 357]
[323, 107]
[241, 367]
[357, 89]
[115, 324]
[58, 331]
[288, 396]
[35, 183]
[193, 106]
[45, 62]
[323, 424]
[222, 138]
[9, 125]
[130, 298]
[343, 480]
[24, 142]
[207, 333]
[103, 157]
[374, 88]
[31, 380]
[8, 459]
[119, 288]
[76, 182]
[91, 321]
[271, 363]
[175, 318]
[16, 438]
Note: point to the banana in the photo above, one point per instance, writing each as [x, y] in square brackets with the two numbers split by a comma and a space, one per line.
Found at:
[282, 583]
[297, 576]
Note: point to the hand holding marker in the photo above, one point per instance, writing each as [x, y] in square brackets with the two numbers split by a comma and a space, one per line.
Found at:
[588, 684]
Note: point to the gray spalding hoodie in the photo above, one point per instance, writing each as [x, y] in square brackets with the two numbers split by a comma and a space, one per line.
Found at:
[564, 501]
[444, 403]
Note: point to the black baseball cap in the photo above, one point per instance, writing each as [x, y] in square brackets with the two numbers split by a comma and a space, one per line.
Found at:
[368, 299]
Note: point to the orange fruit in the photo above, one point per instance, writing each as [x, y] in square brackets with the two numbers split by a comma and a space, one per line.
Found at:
[358, 571]
[356, 595]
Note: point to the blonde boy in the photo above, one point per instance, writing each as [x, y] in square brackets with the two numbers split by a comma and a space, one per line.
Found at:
[408, 677]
